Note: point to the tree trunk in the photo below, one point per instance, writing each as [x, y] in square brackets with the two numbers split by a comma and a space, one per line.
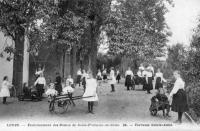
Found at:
[93, 53]
[26, 61]
[18, 62]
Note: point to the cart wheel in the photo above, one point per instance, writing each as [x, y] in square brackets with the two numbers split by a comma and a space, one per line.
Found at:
[51, 106]
[61, 106]
[154, 112]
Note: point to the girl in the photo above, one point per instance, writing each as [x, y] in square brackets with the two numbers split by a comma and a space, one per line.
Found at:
[90, 94]
[159, 79]
[112, 79]
[40, 83]
[99, 77]
[79, 75]
[5, 86]
[51, 90]
[84, 77]
[128, 78]
[71, 81]
[178, 97]
[118, 76]
[67, 89]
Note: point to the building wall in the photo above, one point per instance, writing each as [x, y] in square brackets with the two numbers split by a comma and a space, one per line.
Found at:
[6, 67]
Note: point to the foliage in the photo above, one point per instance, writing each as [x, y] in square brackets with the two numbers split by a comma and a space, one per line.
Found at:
[139, 29]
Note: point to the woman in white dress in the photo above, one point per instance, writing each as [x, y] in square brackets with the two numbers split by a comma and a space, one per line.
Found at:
[5, 86]
[112, 80]
[90, 94]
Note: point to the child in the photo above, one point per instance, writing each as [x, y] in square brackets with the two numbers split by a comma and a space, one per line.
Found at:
[90, 93]
[67, 89]
[162, 101]
[4, 90]
[99, 77]
[71, 81]
[51, 90]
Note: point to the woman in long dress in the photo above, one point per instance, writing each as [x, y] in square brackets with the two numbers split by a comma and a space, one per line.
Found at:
[178, 97]
[40, 83]
[159, 80]
[4, 91]
[90, 94]
[128, 78]
[112, 79]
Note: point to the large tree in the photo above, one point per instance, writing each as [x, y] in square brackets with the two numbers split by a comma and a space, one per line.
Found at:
[138, 29]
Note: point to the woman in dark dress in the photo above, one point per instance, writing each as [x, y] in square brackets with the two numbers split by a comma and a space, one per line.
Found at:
[58, 85]
[178, 96]
[129, 78]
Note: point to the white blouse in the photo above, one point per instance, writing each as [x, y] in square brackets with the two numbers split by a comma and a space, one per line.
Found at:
[148, 73]
[179, 84]
[129, 72]
[140, 74]
[79, 72]
[40, 80]
[160, 74]
[70, 80]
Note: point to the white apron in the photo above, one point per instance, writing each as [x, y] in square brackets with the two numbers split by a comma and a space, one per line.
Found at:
[91, 90]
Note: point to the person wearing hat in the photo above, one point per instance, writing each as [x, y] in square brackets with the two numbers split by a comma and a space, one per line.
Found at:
[128, 78]
[112, 79]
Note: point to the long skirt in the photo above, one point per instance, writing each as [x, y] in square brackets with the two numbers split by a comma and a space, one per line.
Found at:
[40, 89]
[158, 83]
[118, 77]
[78, 80]
[128, 81]
[58, 87]
[179, 101]
[149, 84]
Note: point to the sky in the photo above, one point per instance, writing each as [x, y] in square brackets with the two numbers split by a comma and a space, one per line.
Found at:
[182, 19]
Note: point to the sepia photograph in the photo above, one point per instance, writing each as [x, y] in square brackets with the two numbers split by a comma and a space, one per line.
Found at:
[100, 65]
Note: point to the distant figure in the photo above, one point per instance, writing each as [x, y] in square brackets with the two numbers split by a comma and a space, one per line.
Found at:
[40, 83]
[99, 77]
[90, 94]
[58, 85]
[4, 89]
[118, 76]
[71, 81]
[39, 71]
[128, 78]
[79, 75]
[112, 80]
[51, 90]
[150, 68]
[104, 75]
[159, 79]
[149, 84]
[140, 78]
[84, 77]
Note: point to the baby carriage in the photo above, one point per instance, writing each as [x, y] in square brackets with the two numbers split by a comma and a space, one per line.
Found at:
[159, 102]
[29, 94]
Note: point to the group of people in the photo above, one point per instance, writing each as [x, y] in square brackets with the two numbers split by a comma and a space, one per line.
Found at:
[177, 98]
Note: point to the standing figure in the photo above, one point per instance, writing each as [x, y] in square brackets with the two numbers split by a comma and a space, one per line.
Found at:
[4, 90]
[128, 78]
[84, 77]
[140, 78]
[118, 76]
[99, 77]
[149, 80]
[58, 84]
[39, 71]
[159, 79]
[79, 75]
[112, 79]
[104, 75]
[71, 81]
[40, 83]
[90, 94]
[150, 67]
[178, 97]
